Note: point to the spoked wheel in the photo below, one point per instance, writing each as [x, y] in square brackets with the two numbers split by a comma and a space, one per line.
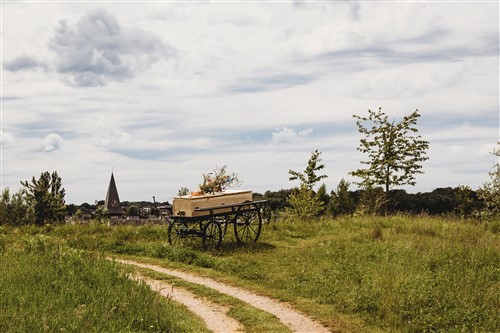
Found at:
[247, 226]
[222, 221]
[212, 236]
[177, 234]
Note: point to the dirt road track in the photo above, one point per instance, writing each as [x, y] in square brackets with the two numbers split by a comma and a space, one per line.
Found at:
[294, 320]
[212, 314]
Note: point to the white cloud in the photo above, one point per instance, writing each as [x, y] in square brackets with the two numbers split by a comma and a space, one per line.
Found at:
[24, 62]
[107, 135]
[287, 135]
[7, 139]
[97, 49]
[51, 142]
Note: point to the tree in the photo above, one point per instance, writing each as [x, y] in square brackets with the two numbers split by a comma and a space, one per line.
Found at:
[323, 197]
[463, 196]
[372, 201]
[394, 150]
[133, 210]
[278, 199]
[46, 195]
[304, 203]
[309, 178]
[183, 191]
[101, 213]
[15, 210]
[490, 191]
[341, 202]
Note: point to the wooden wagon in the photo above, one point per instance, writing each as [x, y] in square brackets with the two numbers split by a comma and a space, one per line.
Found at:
[209, 216]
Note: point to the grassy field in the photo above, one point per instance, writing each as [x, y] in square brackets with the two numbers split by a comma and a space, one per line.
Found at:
[399, 274]
[48, 287]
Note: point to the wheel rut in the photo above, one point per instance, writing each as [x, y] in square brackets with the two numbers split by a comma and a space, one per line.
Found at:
[293, 319]
[214, 316]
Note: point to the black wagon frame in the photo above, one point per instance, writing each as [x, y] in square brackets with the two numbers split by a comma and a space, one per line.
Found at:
[246, 217]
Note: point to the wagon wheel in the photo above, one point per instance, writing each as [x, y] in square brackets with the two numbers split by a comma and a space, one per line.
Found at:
[247, 226]
[222, 221]
[177, 234]
[212, 236]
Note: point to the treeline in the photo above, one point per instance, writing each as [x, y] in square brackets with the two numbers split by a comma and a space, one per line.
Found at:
[460, 201]
[40, 201]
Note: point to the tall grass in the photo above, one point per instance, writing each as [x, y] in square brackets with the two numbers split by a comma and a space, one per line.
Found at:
[404, 274]
[48, 287]
[401, 273]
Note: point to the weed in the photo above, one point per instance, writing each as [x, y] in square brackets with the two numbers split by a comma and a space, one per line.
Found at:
[377, 232]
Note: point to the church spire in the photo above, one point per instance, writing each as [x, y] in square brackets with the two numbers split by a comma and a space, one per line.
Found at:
[112, 202]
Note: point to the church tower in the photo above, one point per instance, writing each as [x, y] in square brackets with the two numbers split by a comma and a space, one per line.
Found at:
[112, 202]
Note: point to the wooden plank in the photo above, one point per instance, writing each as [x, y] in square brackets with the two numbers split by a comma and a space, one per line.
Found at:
[191, 206]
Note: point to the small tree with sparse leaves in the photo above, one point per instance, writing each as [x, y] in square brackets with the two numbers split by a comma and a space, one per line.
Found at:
[304, 202]
[309, 177]
[395, 151]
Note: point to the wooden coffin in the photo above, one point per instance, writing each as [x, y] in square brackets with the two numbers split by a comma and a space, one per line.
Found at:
[186, 205]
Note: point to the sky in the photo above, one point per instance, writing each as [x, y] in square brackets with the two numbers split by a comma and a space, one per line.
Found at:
[160, 93]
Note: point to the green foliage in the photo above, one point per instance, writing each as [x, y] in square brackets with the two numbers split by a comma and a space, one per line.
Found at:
[304, 204]
[323, 196]
[393, 148]
[277, 199]
[372, 201]
[101, 213]
[342, 202]
[15, 210]
[463, 196]
[309, 177]
[46, 195]
[490, 191]
[183, 191]
[133, 210]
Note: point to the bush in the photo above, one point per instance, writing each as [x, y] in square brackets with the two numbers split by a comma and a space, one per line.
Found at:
[304, 204]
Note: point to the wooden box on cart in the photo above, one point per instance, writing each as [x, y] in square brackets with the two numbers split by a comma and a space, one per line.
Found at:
[186, 205]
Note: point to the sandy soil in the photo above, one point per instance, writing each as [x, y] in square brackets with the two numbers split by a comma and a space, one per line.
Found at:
[213, 315]
[294, 320]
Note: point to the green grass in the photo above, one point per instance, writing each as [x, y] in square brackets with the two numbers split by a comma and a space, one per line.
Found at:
[361, 274]
[48, 287]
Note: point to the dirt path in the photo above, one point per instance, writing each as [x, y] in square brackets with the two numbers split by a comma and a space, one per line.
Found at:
[294, 320]
[212, 314]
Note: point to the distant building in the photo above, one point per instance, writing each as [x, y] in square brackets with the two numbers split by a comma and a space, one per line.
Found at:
[112, 202]
[165, 210]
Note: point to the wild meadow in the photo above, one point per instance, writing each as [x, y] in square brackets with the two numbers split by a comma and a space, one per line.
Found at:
[355, 274]
[46, 286]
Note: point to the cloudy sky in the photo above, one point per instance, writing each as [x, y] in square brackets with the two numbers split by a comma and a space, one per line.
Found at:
[161, 93]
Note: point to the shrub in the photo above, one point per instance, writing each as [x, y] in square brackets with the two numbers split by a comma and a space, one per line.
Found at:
[304, 204]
